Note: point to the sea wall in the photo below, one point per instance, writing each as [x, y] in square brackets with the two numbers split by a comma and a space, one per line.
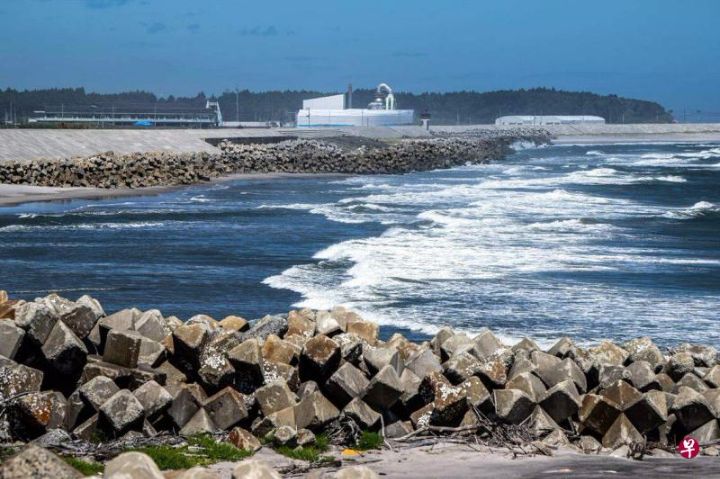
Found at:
[68, 366]
[111, 170]
[648, 130]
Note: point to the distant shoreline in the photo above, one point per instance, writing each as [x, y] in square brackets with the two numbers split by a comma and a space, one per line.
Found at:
[14, 195]
[637, 138]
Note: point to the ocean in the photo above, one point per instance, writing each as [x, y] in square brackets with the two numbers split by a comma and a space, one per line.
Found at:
[599, 241]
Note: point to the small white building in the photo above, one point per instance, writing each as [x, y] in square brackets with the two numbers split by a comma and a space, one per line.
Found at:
[332, 111]
[549, 120]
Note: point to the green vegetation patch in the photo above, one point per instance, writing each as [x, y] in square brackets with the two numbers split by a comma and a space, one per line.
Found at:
[370, 440]
[7, 452]
[199, 451]
[309, 453]
[86, 468]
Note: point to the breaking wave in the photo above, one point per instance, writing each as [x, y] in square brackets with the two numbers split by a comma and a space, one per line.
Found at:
[698, 210]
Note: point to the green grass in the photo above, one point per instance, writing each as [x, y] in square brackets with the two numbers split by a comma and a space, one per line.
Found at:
[369, 440]
[86, 468]
[309, 453]
[199, 451]
[7, 452]
[322, 442]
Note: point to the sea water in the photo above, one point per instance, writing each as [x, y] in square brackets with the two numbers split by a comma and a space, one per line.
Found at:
[590, 241]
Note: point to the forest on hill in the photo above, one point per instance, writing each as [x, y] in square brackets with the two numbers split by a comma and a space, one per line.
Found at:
[464, 107]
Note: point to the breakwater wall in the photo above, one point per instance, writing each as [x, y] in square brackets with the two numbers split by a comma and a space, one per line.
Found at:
[136, 170]
[68, 366]
[648, 130]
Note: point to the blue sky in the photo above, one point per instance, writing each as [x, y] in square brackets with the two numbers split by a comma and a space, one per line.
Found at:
[662, 50]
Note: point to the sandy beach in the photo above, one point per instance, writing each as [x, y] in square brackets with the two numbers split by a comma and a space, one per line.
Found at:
[13, 195]
[443, 459]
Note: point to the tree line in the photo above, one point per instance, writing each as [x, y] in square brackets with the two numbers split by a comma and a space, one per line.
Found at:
[464, 107]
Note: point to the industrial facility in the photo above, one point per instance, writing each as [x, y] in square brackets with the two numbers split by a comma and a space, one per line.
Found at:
[210, 117]
[337, 110]
[549, 120]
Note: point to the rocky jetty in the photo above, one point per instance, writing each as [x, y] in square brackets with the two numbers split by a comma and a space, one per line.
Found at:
[69, 368]
[108, 170]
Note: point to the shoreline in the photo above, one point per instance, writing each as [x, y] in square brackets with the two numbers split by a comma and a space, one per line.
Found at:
[17, 195]
[108, 175]
[648, 138]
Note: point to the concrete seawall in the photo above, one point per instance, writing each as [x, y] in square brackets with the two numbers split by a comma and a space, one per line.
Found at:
[608, 129]
[30, 144]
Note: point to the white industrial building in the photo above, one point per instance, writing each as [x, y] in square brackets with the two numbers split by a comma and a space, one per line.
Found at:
[334, 111]
[549, 120]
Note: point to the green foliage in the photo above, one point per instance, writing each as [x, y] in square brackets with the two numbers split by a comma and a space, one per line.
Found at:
[322, 442]
[309, 453]
[86, 468]
[199, 451]
[218, 451]
[171, 458]
[7, 452]
[369, 440]
[446, 108]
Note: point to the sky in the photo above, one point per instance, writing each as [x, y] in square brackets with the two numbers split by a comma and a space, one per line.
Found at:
[662, 50]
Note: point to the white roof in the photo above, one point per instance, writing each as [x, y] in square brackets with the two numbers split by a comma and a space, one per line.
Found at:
[550, 118]
[332, 102]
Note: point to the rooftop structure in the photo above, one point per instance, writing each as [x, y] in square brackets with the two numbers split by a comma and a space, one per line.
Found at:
[333, 111]
[209, 117]
[549, 120]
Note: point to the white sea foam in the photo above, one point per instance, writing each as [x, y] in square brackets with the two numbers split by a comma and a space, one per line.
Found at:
[699, 209]
[83, 226]
[364, 212]
[468, 236]
[523, 145]
[670, 179]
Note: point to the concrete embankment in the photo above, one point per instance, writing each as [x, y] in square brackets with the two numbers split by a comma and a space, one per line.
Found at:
[71, 374]
[609, 133]
[32, 144]
[138, 170]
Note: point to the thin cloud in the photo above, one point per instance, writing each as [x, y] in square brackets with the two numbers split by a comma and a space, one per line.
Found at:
[193, 27]
[156, 27]
[102, 4]
[409, 54]
[270, 31]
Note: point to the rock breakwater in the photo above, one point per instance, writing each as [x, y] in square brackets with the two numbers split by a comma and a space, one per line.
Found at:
[69, 368]
[109, 170]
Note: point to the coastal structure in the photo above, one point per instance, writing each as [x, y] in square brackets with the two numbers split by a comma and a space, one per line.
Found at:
[336, 110]
[73, 374]
[93, 116]
[550, 120]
